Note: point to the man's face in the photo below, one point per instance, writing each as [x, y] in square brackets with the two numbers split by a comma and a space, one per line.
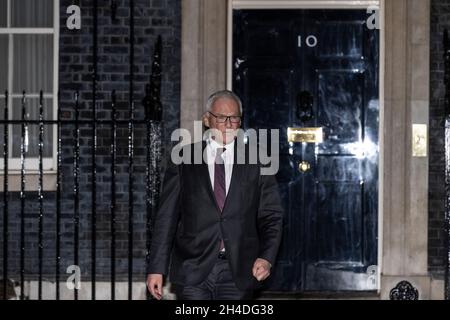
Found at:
[220, 111]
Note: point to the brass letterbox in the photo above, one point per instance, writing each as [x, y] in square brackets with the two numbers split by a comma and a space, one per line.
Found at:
[307, 135]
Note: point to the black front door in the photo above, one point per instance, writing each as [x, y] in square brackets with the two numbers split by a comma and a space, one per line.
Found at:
[317, 69]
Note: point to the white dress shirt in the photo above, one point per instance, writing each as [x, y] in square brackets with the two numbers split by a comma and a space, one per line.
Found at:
[228, 160]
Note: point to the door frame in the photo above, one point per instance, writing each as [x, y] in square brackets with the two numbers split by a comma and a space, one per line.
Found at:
[404, 100]
[325, 4]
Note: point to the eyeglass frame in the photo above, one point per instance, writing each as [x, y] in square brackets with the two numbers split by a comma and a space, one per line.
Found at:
[226, 118]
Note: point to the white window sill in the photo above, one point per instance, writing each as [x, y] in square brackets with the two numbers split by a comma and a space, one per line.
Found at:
[31, 181]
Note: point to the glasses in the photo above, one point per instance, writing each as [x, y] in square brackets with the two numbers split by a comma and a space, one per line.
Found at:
[223, 119]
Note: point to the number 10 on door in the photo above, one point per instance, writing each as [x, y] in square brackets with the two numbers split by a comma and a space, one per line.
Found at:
[311, 41]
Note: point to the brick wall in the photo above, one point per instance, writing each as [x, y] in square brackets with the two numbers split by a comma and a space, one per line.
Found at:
[152, 18]
[440, 19]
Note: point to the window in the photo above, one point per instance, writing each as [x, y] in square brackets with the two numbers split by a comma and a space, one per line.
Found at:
[29, 31]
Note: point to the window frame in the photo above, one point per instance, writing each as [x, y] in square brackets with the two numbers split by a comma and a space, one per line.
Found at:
[32, 163]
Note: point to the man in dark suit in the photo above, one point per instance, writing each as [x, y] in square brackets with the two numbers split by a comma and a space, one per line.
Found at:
[220, 222]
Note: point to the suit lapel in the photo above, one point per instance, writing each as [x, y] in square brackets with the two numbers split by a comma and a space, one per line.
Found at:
[234, 186]
[204, 178]
[234, 183]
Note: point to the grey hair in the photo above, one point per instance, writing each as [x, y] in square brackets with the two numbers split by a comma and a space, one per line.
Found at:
[223, 94]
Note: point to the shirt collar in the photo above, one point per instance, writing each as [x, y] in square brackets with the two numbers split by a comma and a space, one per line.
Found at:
[215, 145]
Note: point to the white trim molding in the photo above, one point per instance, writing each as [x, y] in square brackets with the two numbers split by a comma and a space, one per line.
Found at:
[27, 30]
[302, 4]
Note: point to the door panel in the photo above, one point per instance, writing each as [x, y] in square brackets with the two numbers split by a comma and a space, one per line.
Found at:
[340, 101]
[338, 216]
[317, 68]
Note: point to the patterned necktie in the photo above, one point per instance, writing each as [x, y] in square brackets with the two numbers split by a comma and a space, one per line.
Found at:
[219, 183]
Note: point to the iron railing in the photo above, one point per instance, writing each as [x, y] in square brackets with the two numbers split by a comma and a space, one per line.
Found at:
[153, 157]
[153, 125]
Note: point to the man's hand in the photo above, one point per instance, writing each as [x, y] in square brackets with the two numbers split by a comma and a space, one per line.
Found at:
[155, 285]
[261, 269]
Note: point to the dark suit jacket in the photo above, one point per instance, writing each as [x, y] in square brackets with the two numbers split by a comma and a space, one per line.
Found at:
[188, 224]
